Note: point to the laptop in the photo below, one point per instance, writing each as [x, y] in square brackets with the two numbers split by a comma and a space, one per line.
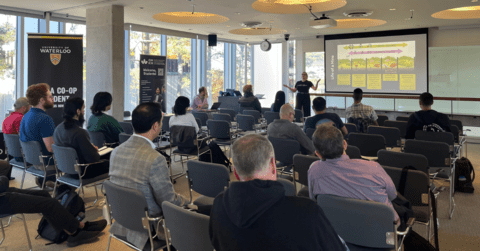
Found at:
[237, 93]
[215, 105]
[259, 96]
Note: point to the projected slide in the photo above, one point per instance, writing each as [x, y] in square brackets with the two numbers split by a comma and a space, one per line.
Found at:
[390, 64]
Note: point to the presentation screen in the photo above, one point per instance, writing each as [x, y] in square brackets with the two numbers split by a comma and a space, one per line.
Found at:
[378, 62]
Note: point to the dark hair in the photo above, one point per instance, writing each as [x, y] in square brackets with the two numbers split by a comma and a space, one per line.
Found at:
[100, 102]
[328, 141]
[70, 110]
[36, 92]
[319, 104]
[181, 105]
[201, 89]
[145, 115]
[426, 99]
[279, 101]
[357, 94]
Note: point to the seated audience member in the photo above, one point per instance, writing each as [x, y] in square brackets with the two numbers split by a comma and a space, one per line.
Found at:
[427, 118]
[200, 102]
[360, 111]
[101, 122]
[37, 126]
[248, 101]
[279, 101]
[26, 201]
[182, 118]
[11, 124]
[137, 165]
[70, 133]
[339, 175]
[284, 128]
[254, 214]
[322, 117]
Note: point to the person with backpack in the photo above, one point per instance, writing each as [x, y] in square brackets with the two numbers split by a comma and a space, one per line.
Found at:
[427, 119]
[18, 201]
[359, 114]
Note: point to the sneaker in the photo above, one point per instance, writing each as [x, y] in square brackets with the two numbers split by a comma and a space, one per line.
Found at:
[99, 225]
[82, 237]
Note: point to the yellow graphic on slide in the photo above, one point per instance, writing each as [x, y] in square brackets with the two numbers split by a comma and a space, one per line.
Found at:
[359, 80]
[374, 81]
[408, 82]
[390, 77]
[374, 46]
[343, 79]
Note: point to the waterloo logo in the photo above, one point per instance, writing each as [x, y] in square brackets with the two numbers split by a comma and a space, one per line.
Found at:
[144, 61]
[55, 58]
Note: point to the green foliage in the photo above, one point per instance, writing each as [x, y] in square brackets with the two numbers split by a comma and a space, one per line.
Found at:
[406, 62]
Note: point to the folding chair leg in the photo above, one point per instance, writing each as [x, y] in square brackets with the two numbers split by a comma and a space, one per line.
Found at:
[26, 231]
[23, 178]
[3, 232]
[109, 240]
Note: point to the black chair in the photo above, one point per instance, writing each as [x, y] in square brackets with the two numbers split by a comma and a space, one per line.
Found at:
[351, 127]
[299, 116]
[271, 116]
[122, 137]
[265, 109]
[14, 149]
[256, 114]
[401, 125]
[284, 150]
[222, 116]
[207, 179]
[246, 123]
[391, 135]
[353, 152]
[230, 112]
[97, 139]
[456, 133]
[301, 164]
[446, 137]
[203, 116]
[401, 160]
[127, 127]
[369, 144]
[199, 123]
[403, 118]
[381, 119]
[220, 131]
[127, 114]
[288, 186]
[457, 123]
[310, 132]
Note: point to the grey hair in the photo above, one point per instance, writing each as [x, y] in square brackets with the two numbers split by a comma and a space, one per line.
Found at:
[250, 154]
[328, 141]
[285, 110]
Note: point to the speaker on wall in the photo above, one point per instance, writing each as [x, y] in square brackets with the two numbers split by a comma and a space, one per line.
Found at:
[212, 40]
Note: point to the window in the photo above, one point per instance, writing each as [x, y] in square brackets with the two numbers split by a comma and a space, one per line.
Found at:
[80, 29]
[215, 70]
[8, 32]
[179, 53]
[243, 66]
[267, 73]
[290, 96]
[314, 66]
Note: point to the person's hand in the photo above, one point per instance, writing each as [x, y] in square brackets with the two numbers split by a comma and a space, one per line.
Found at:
[318, 80]
[95, 146]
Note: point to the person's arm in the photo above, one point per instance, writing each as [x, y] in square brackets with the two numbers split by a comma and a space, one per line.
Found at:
[162, 187]
[257, 106]
[290, 88]
[341, 125]
[374, 117]
[114, 128]
[193, 122]
[86, 148]
[316, 86]
[389, 186]
[411, 127]
[47, 128]
[48, 143]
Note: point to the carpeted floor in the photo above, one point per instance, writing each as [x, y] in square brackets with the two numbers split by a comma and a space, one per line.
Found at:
[462, 232]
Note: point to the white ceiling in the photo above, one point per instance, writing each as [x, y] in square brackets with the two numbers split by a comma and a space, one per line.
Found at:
[295, 24]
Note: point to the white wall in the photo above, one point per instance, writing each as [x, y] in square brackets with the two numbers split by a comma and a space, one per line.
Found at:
[267, 73]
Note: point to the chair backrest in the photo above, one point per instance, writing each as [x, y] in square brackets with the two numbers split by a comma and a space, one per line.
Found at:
[222, 116]
[271, 116]
[350, 127]
[97, 138]
[166, 123]
[391, 135]
[183, 136]
[285, 149]
[199, 122]
[128, 205]
[203, 116]
[207, 178]
[456, 133]
[360, 222]
[381, 119]
[417, 184]
[437, 153]
[245, 122]
[65, 159]
[122, 137]
[32, 152]
[256, 114]
[298, 115]
[401, 125]
[310, 132]
[230, 112]
[219, 129]
[127, 114]
[12, 143]
[127, 127]
[301, 164]
[401, 160]
[288, 186]
[188, 230]
[353, 152]
[446, 137]
[264, 109]
[402, 118]
[458, 123]
[369, 144]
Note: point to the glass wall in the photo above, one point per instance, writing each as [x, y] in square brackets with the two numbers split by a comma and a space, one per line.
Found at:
[240, 67]
[267, 73]
[80, 29]
[215, 71]
[8, 29]
[179, 73]
[290, 96]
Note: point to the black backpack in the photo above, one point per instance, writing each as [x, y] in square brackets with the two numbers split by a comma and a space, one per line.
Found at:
[73, 203]
[217, 155]
[433, 127]
[464, 176]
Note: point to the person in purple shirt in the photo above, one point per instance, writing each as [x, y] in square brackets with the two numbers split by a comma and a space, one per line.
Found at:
[200, 102]
[337, 174]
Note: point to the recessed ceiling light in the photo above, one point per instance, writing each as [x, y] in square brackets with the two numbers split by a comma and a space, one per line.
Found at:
[141, 8]
[297, 28]
[228, 25]
[393, 9]
[474, 1]
[238, 13]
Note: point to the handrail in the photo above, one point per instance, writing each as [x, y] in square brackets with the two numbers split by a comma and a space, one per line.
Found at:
[349, 95]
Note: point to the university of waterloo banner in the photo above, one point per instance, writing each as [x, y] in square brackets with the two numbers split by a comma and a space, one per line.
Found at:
[153, 70]
[56, 59]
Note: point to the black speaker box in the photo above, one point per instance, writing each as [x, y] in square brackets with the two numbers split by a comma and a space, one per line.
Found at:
[212, 40]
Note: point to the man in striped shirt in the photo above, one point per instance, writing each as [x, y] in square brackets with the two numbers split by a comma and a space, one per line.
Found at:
[361, 111]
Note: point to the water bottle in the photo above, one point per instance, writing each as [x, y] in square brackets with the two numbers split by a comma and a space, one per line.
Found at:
[106, 214]
[81, 216]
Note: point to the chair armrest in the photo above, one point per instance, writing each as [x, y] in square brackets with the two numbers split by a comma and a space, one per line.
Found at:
[409, 224]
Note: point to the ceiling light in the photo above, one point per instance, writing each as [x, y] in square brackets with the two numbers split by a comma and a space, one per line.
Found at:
[190, 18]
[297, 6]
[467, 12]
[358, 14]
[257, 31]
[238, 13]
[357, 23]
[252, 24]
[469, 8]
[293, 2]
[393, 9]
[474, 1]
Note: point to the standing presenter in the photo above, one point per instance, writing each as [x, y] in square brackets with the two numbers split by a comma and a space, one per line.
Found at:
[303, 96]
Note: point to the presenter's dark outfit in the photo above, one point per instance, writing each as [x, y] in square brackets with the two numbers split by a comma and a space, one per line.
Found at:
[303, 97]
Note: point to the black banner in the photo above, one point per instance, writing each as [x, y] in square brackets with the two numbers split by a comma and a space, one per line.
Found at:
[56, 59]
[153, 70]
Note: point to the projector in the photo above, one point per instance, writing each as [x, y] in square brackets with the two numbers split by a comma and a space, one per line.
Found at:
[323, 22]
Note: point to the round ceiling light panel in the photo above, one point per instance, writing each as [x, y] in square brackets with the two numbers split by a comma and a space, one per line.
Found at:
[357, 23]
[189, 18]
[469, 12]
[297, 6]
[257, 31]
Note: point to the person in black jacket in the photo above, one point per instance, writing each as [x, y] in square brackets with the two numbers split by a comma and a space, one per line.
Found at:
[25, 201]
[248, 101]
[427, 117]
[70, 133]
[255, 214]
